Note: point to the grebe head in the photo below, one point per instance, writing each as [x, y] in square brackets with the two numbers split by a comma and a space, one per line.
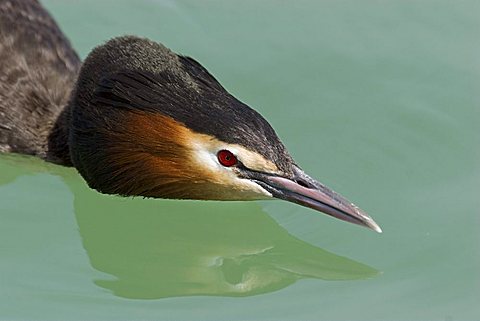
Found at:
[148, 122]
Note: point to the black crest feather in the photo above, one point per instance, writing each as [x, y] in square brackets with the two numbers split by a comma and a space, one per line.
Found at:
[188, 93]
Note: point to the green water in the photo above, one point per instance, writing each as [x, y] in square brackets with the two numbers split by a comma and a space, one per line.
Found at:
[378, 99]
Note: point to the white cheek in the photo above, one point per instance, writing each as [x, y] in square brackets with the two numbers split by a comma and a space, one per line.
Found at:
[254, 187]
[208, 160]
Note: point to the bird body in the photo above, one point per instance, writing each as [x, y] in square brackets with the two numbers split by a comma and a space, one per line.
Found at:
[38, 68]
[139, 120]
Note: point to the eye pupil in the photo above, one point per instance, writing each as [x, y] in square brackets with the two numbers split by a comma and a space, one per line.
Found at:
[226, 158]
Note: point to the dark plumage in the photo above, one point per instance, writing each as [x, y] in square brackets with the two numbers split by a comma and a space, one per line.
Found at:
[140, 120]
[38, 68]
[139, 75]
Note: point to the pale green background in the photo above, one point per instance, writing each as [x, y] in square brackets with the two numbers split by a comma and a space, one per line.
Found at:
[378, 99]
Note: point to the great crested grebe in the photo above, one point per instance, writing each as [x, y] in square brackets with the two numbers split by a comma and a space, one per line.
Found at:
[137, 119]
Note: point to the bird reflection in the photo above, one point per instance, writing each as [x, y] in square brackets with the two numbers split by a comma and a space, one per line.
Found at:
[160, 248]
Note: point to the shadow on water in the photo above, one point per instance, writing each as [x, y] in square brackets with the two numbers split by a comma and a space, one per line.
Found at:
[161, 248]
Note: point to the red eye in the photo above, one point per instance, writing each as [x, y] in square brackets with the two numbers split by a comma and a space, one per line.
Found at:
[226, 158]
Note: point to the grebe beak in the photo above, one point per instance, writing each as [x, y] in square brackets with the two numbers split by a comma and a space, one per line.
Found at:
[305, 191]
